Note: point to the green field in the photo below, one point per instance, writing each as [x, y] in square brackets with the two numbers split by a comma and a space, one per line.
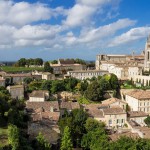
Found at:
[11, 69]
[3, 137]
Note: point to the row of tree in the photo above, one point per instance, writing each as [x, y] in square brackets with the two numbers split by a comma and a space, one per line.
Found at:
[92, 89]
[23, 62]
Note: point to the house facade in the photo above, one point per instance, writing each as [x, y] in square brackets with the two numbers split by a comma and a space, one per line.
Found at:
[39, 96]
[16, 91]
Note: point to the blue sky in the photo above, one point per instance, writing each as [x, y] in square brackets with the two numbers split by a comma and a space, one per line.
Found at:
[53, 29]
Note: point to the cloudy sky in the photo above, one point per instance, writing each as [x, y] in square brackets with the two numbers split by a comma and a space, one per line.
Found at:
[53, 29]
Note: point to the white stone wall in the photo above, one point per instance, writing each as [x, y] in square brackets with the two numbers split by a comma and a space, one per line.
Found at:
[133, 103]
[36, 99]
[115, 120]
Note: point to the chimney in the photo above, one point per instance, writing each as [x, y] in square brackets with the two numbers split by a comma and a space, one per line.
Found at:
[51, 109]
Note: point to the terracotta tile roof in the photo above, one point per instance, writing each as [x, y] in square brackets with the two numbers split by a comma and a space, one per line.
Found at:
[33, 106]
[145, 131]
[39, 93]
[95, 106]
[54, 116]
[140, 94]
[116, 136]
[95, 113]
[112, 100]
[137, 114]
[70, 105]
[18, 75]
[117, 110]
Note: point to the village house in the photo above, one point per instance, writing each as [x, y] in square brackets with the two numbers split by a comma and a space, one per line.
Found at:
[138, 100]
[44, 119]
[115, 102]
[112, 117]
[16, 91]
[65, 65]
[138, 117]
[17, 78]
[39, 96]
[68, 106]
[2, 81]
[48, 76]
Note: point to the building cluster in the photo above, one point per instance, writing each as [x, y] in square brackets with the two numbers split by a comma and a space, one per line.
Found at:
[127, 66]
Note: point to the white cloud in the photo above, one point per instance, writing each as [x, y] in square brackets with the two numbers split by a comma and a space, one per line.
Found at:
[81, 13]
[23, 13]
[130, 36]
[105, 31]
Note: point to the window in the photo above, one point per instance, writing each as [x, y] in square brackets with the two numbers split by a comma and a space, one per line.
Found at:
[122, 120]
[117, 120]
[110, 122]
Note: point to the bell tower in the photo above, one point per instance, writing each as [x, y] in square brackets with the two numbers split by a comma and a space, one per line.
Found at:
[147, 54]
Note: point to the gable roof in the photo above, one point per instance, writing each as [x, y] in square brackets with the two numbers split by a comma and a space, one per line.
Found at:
[140, 94]
[39, 93]
[33, 106]
[113, 111]
[69, 105]
[112, 100]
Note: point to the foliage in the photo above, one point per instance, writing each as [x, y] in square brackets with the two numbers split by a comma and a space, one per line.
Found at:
[147, 121]
[75, 121]
[94, 92]
[95, 138]
[92, 124]
[13, 136]
[57, 86]
[42, 143]
[83, 100]
[47, 67]
[66, 141]
[54, 62]
[27, 80]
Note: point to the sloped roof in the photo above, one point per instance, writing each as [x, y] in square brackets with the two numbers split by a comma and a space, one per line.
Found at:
[140, 94]
[39, 93]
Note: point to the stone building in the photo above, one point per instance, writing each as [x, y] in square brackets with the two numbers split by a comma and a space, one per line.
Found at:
[139, 100]
[84, 74]
[65, 65]
[39, 96]
[16, 91]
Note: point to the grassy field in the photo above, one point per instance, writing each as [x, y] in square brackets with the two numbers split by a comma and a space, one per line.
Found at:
[3, 137]
[11, 69]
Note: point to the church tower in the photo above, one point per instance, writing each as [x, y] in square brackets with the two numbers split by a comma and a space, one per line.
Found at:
[147, 54]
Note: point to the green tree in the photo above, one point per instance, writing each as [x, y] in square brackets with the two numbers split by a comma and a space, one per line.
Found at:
[147, 121]
[38, 61]
[42, 143]
[66, 141]
[114, 83]
[22, 62]
[94, 92]
[27, 80]
[92, 124]
[13, 136]
[47, 67]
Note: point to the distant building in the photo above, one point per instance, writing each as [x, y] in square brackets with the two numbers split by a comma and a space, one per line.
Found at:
[48, 76]
[65, 65]
[17, 78]
[16, 91]
[122, 66]
[2, 81]
[84, 74]
[39, 96]
[147, 54]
